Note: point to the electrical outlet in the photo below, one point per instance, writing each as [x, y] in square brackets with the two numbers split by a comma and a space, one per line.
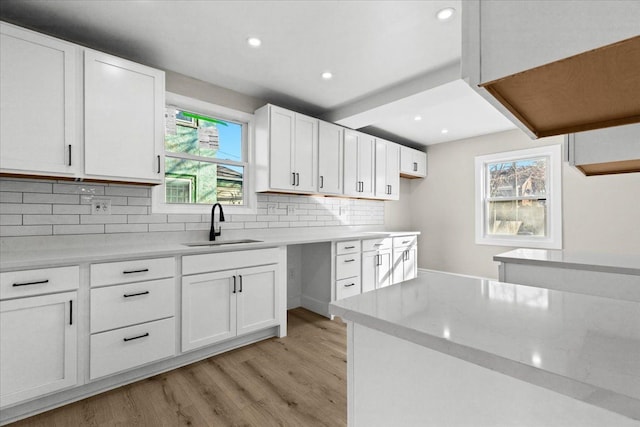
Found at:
[101, 207]
[271, 208]
[291, 210]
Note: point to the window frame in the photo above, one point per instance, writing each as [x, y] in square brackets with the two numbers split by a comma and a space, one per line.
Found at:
[553, 236]
[158, 204]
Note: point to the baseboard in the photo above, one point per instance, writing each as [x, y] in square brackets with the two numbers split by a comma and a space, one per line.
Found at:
[317, 306]
[293, 302]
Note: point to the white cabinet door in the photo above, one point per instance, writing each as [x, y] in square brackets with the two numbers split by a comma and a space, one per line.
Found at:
[38, 103]
[257, 298]
[330, 152]
[410, 266]
[359, 164]
[369, 268]
[208, 309]
[384, 269]
[124, 119]
[38, 346]
[413, 163]
[397, 274]
[305, 153]
[387, 174]
[281, 135]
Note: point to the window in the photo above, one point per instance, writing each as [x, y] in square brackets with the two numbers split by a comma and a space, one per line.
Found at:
[518, 198]
[206, 158]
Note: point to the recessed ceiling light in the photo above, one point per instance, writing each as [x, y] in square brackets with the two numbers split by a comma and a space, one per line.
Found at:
[254, 42]
[445, 14]
[417, 118]
[327, 75]
[444, 131]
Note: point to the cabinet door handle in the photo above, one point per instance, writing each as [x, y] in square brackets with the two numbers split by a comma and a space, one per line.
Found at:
[321, 181]
[297, 179]
[39, 282]
[158, 163]
[234, 284]
[146, 334]
[69, 154]
[349, 260]
[293, 177]
[136, 294]
[144, 270]
[240, 276]
[349, 285]
[70, 312]
[415, 167]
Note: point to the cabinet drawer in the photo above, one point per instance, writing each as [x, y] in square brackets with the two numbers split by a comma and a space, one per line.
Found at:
[347, 287]
[347, 266]
[193, 264]
[348, 247]
[404, 241]
[112, 273]
[127, 348]
[14, 284]
[376, 244]
[123, 305]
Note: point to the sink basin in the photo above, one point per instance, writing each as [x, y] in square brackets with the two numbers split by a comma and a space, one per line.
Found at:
[222, 242]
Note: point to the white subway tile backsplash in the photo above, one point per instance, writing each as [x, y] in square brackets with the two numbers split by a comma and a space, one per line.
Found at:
[126, 228]
[62, 199]
[78, 229]
[40, 207]
[10, 219]
[25, 230]
[19, 208]
[9, 197]
[25, 186]
[49, 219]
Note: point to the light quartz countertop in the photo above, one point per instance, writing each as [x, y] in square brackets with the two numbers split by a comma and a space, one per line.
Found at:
[103, 248]
[623, 264]
[582, 346]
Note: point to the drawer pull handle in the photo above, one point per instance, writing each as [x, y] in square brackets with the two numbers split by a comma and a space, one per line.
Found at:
[349, 285]
[135, 338]
[40, 282]
[144, 270]
[349, 247]
[136, 294]
[377, 244]
[405, 241]
[349, 260]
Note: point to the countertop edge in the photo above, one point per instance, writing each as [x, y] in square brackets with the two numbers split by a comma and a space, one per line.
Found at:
[588, 393]
[178, 249]
[568, 265]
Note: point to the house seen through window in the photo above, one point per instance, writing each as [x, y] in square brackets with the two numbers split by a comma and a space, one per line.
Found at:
[205, 160]
[518, 198]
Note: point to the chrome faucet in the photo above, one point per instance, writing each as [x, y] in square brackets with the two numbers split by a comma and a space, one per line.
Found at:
[213, 233]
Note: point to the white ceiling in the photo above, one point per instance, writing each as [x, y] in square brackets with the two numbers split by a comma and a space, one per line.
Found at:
[383, 55]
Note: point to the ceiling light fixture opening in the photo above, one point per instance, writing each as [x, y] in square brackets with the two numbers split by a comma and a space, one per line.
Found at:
[254, 42]
[417, 118]
[327, 75]
[443, 131]
[445, 14]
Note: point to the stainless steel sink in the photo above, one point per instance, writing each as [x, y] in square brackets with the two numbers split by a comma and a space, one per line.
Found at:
[222, 242]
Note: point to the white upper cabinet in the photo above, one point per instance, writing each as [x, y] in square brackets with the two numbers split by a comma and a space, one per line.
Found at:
[359, 156]
[413, 163]
[38, 104]
[330, 161]
[286, 150]
[124, 119]
[387, 181]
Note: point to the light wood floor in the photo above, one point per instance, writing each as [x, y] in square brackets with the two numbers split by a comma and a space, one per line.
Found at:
[299, 380]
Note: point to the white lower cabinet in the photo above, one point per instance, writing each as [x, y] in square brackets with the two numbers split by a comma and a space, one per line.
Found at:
[38, 346]
[405, 258]
[132, 324]
[221, 305]
[348, 265]
[377, 264]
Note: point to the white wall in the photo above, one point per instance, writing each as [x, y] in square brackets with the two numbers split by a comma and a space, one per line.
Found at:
[600, 214]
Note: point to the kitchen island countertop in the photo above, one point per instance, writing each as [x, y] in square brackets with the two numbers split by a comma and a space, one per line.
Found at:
[582, 346]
